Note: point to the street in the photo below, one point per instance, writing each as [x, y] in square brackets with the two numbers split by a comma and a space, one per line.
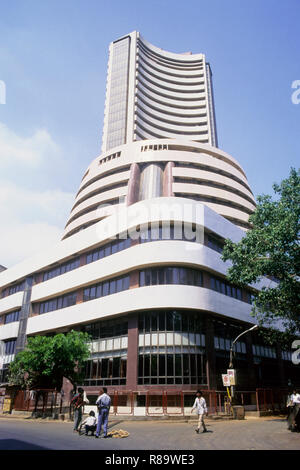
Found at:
[250, 434]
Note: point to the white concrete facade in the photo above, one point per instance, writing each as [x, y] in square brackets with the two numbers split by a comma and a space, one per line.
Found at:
[166, 170]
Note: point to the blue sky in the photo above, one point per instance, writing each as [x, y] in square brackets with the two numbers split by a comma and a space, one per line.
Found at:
[53, 59]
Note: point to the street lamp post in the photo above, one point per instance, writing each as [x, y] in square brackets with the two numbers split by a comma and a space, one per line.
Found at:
[231, 352]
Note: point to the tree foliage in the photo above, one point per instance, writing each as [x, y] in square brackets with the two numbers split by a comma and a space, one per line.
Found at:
[271, 249]
[47, 359]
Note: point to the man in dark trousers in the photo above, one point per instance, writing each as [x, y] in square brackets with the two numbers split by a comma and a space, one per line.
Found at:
[78, 403]
[103, 402]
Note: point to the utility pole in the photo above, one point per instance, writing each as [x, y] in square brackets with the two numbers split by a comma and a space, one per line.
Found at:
[231, 352]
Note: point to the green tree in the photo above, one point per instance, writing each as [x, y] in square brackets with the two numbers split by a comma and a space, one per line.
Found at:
[47, 359]
[271, 249]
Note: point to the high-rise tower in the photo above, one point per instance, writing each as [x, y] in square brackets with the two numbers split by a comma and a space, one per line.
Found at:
[152, 93]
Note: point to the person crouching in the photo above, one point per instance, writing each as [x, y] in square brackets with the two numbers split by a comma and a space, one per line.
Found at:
[90, 423]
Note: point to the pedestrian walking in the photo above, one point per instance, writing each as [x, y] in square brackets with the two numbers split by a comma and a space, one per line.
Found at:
[103, 402]
[200, 406]
[90, 423]
[78, 403]
[294, 411]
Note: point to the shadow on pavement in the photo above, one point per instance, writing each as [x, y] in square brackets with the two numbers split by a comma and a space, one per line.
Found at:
[16, 444]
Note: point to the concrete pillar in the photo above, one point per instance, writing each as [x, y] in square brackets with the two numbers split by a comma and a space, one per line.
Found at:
[210, 354]
[132, 353]
[24, 314]
[168, 180]
[133, 184]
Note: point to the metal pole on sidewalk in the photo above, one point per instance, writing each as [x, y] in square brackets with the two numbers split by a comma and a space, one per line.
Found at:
[231, 352]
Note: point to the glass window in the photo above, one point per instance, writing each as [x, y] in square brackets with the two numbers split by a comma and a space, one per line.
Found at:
[89, 258]
[169, 321]
[178, 365]
[228, 290]
[169, 275]
[148, 277]
[112, 287]
[107, 250]
[162, 365]
[184, 322]
[105, 288]
[99, 291]
[177, 321]
[141, 369]
[153, 364]
[142, 279]
[12, 317]
[186, 366]
[126, 283]
[147, 323]
[162, 325]
[170, 365]
[186, 276]
[146, 365]
[161, 276]
[154, 277]
[116, 367]
[154, 322]
[119, 285]
[93, 292]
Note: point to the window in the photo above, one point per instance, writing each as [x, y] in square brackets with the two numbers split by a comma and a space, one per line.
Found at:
[167, 232]
[171, 369]
[225, 288]
[13, 289]
[215, 243]
[104, 288]
[171, 275]
[10, 347]
[172, 320]
[106, 371]
[12, 316]
[108, 249]
[61, 269]
[59, 302]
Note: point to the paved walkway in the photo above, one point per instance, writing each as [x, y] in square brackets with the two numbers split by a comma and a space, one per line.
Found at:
[254, 434]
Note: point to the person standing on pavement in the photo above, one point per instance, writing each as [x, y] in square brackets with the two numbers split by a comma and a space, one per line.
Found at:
[200, 405]
[78, 403]
[294, 414]
[103, 402]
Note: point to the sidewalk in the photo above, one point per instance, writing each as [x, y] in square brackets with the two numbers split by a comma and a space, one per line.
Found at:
[157, 419]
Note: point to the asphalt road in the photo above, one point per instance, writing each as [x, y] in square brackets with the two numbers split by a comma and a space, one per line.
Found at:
[254, 434]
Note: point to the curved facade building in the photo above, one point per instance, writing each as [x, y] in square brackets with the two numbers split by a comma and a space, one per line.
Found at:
[162, 167]
[139, 264]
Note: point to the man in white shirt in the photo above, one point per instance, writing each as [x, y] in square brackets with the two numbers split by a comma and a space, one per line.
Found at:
[295, 398]
[90, 423]
[200, 405]
[294, 413]
[103, 402]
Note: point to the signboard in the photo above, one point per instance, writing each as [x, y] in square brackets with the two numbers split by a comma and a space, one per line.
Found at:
[226, 380]
[7, 405]
[232, 376]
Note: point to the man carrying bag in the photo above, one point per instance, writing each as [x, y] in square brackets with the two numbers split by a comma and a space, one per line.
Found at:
[103, 403]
